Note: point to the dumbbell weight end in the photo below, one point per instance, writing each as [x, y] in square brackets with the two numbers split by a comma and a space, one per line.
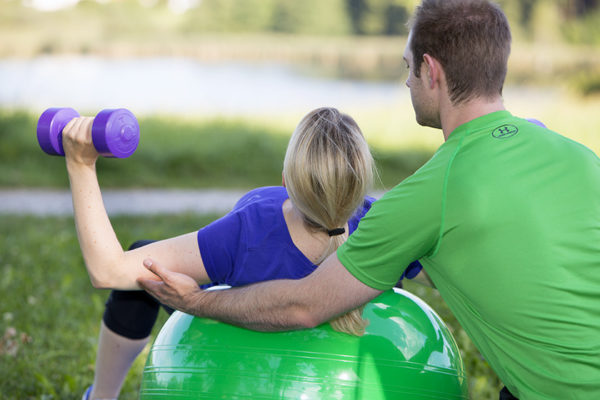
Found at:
[49, 129]
[116, 133]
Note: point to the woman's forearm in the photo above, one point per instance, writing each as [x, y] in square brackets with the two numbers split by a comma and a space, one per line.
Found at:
[100, 247]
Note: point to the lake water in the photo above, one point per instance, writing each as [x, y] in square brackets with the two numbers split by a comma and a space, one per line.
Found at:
[179, 86]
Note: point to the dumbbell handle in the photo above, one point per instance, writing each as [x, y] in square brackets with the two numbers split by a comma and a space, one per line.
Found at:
[115, 132]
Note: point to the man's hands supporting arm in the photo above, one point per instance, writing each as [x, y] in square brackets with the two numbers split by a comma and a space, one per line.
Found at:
[267, 306]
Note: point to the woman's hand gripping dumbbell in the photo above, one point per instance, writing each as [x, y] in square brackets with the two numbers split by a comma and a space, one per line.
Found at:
[114, 132]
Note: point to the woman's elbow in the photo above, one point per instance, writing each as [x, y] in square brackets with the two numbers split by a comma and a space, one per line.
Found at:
[101, 278]
[99, 283]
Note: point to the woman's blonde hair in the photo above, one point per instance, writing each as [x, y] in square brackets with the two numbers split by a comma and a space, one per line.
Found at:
[328, 169]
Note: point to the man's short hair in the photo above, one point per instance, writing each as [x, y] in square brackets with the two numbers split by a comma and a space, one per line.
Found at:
[470, 38]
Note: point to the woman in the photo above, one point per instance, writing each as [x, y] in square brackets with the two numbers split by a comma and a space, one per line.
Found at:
[272, 233]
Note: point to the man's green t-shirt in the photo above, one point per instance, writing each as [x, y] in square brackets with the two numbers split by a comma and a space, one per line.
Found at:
[505, 219]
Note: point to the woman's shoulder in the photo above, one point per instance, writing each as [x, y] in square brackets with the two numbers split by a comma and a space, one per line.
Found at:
[261, 195]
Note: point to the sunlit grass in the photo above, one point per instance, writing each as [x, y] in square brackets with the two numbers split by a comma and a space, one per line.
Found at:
[179, 152]
[562, 111]
[393, 127]
[243, 152]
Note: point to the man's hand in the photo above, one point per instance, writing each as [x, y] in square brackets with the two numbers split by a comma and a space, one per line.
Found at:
[173, 289]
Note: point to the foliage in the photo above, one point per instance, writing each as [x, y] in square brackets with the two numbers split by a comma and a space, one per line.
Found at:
[351, 39]
[379, 17]
[587, 83]
[50, 314]
[313, 17]
[584, 30]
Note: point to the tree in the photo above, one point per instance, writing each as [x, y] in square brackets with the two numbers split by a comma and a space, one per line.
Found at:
[379, 17]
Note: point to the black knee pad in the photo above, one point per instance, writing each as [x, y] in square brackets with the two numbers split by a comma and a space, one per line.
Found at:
[140, 243]
[131, 313]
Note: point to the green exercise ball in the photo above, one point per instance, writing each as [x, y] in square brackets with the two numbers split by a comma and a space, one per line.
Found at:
[407, 352]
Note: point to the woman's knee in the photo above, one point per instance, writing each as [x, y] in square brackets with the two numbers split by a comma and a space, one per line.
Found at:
[131, 313]
[140, 243]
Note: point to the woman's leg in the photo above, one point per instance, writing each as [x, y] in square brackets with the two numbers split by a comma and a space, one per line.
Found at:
[125, 330]
[114, 358]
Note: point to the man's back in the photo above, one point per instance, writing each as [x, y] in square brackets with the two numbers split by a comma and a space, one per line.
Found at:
[519, 255]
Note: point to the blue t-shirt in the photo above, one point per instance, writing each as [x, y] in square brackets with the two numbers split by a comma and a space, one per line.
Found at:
[252, 243]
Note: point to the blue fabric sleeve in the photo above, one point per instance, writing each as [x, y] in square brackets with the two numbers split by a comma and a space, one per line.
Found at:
[360, 213]
[412, 270]
[219, 244]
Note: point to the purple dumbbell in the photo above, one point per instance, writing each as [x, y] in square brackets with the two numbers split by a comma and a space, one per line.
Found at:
[115, 132]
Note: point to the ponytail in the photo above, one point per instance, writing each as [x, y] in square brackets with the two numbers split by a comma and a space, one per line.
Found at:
[328, 170]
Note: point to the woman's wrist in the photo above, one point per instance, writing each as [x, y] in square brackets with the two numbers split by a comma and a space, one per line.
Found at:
[80, 166]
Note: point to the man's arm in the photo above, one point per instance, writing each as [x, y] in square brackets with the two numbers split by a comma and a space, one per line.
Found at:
[267, 306]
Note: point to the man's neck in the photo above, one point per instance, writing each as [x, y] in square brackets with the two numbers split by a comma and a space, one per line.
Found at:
[453, 116]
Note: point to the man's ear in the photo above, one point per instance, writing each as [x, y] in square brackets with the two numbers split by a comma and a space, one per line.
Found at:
[432, 70]
[282, 179]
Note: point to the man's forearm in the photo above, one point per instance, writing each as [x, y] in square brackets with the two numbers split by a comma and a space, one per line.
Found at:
[266, 306]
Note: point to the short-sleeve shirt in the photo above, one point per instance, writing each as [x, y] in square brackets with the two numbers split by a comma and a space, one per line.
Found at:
[505, 219]
[252, 243]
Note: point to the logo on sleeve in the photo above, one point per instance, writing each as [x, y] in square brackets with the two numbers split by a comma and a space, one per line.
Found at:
[505, 131]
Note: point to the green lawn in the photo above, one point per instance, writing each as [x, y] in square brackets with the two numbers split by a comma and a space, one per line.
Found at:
[203, 151]
[181, 153]
[50, 314]
[49, 303]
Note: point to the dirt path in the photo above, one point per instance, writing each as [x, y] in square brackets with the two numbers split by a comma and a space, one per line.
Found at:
[46, 202]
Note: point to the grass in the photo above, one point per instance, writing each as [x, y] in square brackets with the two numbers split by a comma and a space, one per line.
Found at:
[204, 151]
[51, 307]
[50, 314]
[178, 153]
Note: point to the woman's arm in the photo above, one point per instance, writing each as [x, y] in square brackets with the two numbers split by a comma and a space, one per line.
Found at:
[107, 264]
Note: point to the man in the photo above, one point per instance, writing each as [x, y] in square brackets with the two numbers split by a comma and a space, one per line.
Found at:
[505, 219]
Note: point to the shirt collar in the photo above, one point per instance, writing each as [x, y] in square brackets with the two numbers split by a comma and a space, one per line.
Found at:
[491, 119]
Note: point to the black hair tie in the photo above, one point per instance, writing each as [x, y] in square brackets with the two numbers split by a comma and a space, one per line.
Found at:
[336, 231]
